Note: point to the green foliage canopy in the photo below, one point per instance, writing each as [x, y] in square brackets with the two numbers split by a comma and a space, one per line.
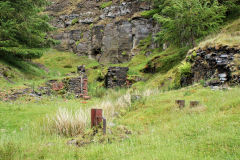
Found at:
[23, 30]
[184, 21]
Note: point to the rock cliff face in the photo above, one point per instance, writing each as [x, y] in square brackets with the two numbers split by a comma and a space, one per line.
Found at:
[107, 34]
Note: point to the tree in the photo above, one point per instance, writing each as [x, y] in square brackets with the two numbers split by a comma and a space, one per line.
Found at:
[184, 21]
[233, 7]
[23, 30]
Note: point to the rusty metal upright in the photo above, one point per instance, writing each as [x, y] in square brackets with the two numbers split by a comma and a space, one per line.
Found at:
[96, 117]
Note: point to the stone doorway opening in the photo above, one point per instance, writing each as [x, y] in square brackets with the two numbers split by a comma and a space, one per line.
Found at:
[96, 53]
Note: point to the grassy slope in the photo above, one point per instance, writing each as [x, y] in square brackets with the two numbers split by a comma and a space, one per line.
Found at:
[56, 66]
[160, 130]
[229, 35]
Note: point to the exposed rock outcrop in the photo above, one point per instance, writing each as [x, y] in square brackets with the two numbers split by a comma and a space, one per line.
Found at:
[109, 34]
[217, 66]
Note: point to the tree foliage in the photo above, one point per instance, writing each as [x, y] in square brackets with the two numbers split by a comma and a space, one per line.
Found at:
[23, 30]
[184, 21]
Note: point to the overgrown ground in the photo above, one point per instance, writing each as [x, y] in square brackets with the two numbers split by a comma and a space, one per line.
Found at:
[159, 129]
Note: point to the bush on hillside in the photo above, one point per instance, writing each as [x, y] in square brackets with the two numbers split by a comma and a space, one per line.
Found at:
[185, 21]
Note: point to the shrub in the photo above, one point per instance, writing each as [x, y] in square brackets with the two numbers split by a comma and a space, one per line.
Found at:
[185, 68]
[185, 21]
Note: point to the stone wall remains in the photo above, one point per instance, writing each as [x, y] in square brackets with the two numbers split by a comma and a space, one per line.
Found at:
[116, 77]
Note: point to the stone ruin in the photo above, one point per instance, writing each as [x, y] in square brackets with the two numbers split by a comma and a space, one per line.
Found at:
[116, 77]
[216, 66]
[79, 85]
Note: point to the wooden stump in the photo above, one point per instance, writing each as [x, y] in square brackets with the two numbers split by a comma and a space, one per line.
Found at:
[180, 103]
[194, 103]
[104, 125]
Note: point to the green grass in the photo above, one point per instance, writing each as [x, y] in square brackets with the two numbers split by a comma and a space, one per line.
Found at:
[56, 65]
[106, 4]
[160, 130]
[62, 63]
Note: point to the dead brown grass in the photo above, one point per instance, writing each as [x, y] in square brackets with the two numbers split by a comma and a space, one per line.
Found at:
[228, 36]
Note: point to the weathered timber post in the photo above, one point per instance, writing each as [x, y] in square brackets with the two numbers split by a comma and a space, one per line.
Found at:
[194, 103]
[97, 119]
[104, 126]
[180, 103]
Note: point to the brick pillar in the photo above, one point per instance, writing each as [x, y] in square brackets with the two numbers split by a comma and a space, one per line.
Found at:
[85, 86]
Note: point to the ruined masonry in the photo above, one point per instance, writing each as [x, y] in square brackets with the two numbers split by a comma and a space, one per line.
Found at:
[116, 77]
[79, 85]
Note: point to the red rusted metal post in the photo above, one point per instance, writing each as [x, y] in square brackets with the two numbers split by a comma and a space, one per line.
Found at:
[96, 117]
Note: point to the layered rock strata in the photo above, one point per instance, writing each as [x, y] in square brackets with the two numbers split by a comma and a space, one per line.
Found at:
[109, 35]
[216, 66]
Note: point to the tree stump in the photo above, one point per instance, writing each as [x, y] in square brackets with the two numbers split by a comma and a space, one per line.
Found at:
[194, 103]
[180, 103]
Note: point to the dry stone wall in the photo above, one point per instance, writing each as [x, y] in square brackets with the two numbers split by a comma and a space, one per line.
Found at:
[78, 85]
[116, 77]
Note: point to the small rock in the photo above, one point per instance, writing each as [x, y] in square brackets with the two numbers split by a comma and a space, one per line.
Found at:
[214, 87]
[223, 79]
[72, 142]
[111, 124]
[222, 75]
[224, 56]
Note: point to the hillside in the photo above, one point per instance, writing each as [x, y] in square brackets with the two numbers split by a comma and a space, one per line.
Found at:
[109, 57]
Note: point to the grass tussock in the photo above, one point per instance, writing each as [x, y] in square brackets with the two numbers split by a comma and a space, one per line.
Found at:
[8, 151]
[67, 123]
